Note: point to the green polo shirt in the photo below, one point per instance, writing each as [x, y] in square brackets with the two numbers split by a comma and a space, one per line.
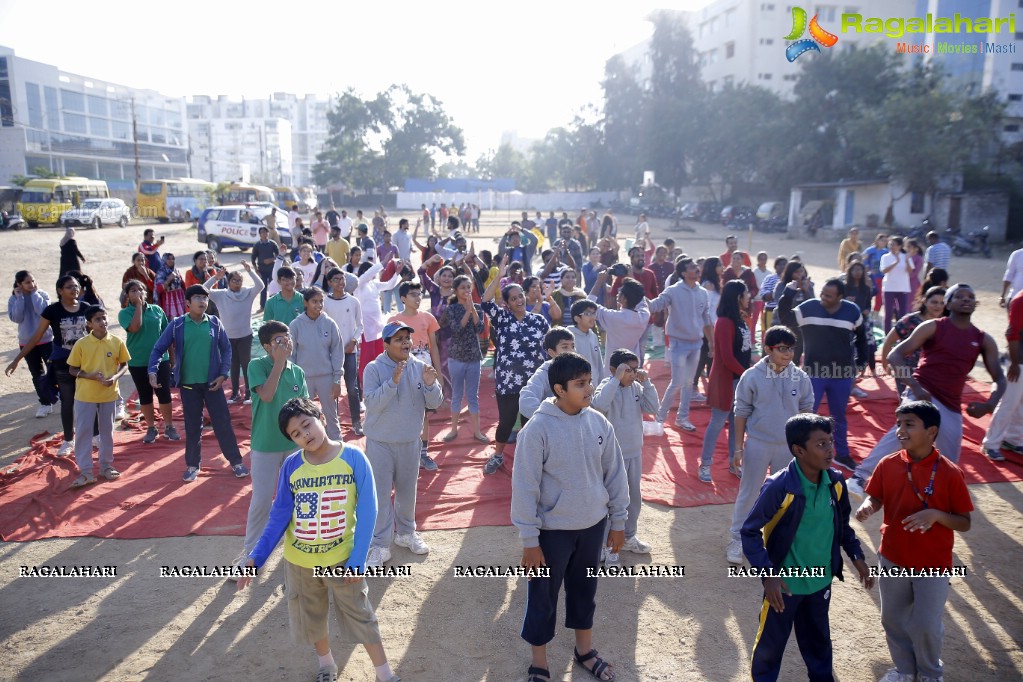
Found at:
[811, 547]
[266, 434]
[198, 347]
[140, 343]
[283, 311]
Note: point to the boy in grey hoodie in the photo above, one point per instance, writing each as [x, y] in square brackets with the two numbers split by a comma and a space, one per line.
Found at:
[587, 343]
[399, 388]
[319, 351]
[556, 341]
[768, 393]
[567, 478]
[624, 398]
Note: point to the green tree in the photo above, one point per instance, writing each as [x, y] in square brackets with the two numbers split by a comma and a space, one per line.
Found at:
[621, 162]
[417, 127]
[348, 155]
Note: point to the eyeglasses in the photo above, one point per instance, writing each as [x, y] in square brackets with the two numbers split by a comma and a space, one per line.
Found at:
[198, 297]
[589, 313]
[783, 349]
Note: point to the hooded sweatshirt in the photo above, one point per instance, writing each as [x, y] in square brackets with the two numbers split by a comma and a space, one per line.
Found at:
[235, 307]
[27, 310]
[690, 311]
[767, 399]
[624, 328]
[394, 412]
[537, 390]
[318, 348]
[568, 473]
[624, 407]
[587, 344]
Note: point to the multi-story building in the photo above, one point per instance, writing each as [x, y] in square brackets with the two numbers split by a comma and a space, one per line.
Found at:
[277, 138]
[76, 125]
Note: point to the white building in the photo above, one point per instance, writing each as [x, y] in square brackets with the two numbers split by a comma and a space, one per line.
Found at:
[77, 125]
[278, 138]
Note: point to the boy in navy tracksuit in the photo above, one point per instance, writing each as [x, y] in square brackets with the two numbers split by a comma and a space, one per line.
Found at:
[803, 517]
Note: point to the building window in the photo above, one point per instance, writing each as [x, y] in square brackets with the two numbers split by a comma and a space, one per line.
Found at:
[767, 41]
[1019, 36]
[100, 127]
[764, 76]
[790, 77]
[6, 107]
[1018, 66]
[916, 202]
[72, 101]
[74, 123]
[1015, 98]
[3, 67]
[766, 7]
[52, 110]
[729, 50]
[97, 106]
[35, 105]
[728, 81]
[1011, 128]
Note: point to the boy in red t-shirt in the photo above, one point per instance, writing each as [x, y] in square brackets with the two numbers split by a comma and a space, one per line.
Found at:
[922, 493]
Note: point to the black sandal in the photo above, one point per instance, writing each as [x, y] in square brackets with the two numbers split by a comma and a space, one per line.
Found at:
[600, 666]
[538, 674]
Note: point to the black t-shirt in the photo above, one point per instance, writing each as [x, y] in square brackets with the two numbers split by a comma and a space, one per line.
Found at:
[67, 328]
[333, 218]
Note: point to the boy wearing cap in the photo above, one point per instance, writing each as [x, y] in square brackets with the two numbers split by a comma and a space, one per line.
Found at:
[398, 390]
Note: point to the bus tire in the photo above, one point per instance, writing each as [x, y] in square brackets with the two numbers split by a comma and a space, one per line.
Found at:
[97, 223]
[33, 224]
[214, 244]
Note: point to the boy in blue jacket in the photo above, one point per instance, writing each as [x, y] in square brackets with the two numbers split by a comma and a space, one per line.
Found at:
[201, 361]
[802, 515]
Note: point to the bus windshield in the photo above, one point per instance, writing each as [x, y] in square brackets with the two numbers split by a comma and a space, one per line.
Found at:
[151, 188]
[35, 197]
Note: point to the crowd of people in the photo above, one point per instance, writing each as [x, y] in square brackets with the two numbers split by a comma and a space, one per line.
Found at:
[343, 311]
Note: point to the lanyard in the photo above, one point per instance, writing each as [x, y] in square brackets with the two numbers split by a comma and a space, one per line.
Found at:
[929, 490]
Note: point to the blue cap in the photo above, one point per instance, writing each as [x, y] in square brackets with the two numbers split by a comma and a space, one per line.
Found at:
[392, 328]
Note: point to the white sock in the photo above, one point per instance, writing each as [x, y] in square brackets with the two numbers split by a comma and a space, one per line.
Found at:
[384, 672]
[327, 660]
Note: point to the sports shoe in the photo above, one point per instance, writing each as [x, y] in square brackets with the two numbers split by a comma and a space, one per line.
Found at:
[357, 429]
[855, 487]
[698, 398]
[705, 474]
[238, 562]
[426, 462]
[377, 557]
[858, 392]
[610, 559]
[636, 546]
[994, 455]
[893, 675]
[414, 541]
[110, 473]
[734, 552]
[151, 435]
[191, 473]
[43, 411]
[240, 470]
[327, 674]
[248, 400]
[846, 462]
[1012, 447]
[493, 464]
[685, 425]
[171, 433]
[66, 449]
[120, 413]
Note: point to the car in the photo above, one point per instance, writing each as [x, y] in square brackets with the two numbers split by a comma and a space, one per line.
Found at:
[96, 213]
[237, 225]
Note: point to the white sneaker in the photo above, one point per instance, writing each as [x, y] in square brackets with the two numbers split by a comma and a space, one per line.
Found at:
[378, 556]
[685, 425]
[636, 546]
[734, 552]
[43, 411]
[698, 398]
[414, 541]
[612, 559]
[66, 449]
[893, 675]
[240, 562]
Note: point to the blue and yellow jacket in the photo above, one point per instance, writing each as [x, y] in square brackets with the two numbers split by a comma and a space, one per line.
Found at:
[770, 528]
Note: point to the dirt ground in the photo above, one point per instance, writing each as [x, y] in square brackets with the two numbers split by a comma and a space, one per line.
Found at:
[440, 627]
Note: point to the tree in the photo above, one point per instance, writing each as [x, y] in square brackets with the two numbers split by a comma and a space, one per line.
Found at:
[418, 127]
[621, 162]
[347, 157]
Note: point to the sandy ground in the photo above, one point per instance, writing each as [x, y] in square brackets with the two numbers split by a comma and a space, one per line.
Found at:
[436, 626]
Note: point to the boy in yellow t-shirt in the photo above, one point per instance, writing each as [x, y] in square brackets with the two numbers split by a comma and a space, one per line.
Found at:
[97, 360]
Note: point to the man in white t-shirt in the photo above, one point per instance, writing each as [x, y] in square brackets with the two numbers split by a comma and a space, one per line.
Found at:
[1013, 278]
[346, 224]
[642, 228]
[896, 267]
[292, 217]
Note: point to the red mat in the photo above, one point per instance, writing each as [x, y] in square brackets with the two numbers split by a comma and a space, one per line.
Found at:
[150, 500]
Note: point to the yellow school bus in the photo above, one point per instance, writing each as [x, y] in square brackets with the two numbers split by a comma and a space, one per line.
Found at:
[243, 193]
[44, 200]
[178, 199]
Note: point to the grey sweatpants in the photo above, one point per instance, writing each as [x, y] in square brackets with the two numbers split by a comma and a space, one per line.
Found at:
[85, 415]
[634, 473]
[911, 612]
[395, 465]
[758, 458]
[320, 387]
[265, 467]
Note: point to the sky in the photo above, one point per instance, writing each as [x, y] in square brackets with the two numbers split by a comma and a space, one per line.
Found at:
[527, 66]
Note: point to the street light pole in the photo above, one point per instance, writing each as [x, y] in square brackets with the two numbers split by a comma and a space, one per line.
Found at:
[135, 140]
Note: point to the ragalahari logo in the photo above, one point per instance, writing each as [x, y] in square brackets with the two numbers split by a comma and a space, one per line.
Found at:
[817, 36]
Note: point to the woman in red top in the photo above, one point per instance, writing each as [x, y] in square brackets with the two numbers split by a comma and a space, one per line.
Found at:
[139, 271]
[732, 350]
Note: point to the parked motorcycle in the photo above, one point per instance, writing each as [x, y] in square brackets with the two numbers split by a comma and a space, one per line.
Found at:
[11, 221]
[975, 241]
